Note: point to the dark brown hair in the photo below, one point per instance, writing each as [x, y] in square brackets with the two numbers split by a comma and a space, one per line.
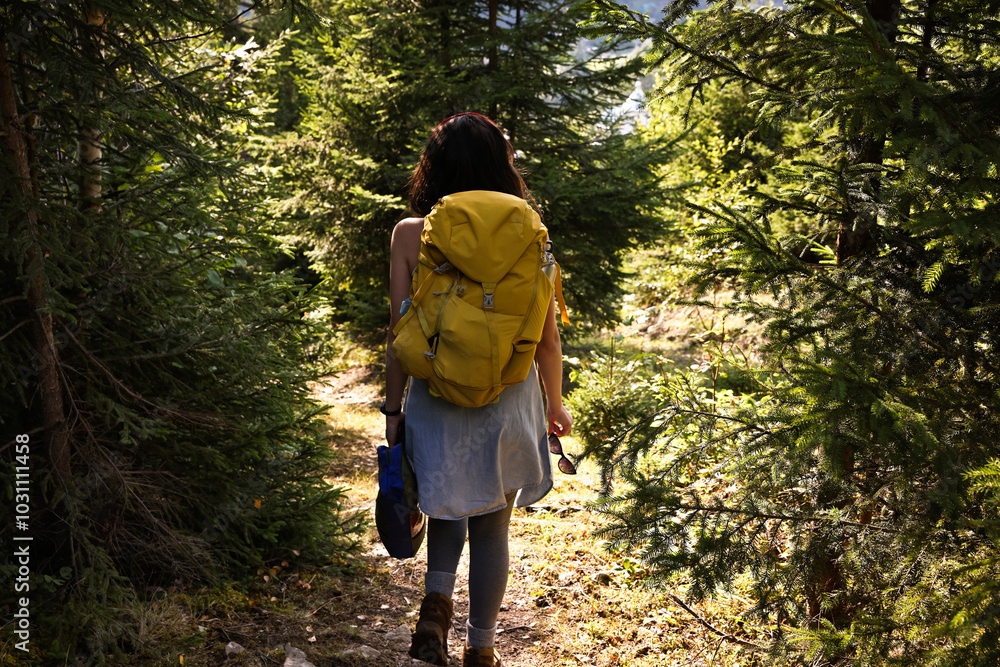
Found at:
[465, 152]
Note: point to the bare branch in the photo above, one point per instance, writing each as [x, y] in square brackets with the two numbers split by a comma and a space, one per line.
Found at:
[725, 635]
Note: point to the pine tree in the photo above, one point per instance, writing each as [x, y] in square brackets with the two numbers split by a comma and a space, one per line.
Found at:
[849, 508]
[382, 75]
[154, 363]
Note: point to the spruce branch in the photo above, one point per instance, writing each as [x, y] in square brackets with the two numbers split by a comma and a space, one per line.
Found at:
[791, 518]
[15, 328]
[195, 419]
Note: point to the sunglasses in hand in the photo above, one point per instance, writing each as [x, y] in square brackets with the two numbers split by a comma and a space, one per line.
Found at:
[565, 465]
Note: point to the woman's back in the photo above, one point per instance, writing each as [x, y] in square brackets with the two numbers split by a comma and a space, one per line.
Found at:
[472, 464]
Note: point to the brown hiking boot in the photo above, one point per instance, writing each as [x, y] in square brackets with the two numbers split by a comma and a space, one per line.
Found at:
[430, 641]
[480, 657]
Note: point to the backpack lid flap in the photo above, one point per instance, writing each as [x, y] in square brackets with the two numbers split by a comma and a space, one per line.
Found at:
[482, 233]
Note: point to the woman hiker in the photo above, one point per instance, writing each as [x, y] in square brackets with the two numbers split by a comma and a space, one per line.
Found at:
[473, 465]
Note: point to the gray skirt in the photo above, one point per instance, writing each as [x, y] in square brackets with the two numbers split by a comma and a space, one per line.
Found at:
[467, 459]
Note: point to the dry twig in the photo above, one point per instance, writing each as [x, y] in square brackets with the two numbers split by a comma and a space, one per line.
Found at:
[712, 628]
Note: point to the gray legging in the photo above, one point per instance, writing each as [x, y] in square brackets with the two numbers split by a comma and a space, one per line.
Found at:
[488, 558]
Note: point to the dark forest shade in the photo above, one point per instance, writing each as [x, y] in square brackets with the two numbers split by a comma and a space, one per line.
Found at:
[155, 361]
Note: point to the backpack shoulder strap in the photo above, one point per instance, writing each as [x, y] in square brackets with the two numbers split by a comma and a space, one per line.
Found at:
[564, 316]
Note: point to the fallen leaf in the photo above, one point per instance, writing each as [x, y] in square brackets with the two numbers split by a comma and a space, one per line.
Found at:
[257, 503]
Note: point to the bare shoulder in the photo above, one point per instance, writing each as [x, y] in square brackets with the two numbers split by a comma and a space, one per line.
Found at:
[408, 225]
[406, 244]
[407, 232]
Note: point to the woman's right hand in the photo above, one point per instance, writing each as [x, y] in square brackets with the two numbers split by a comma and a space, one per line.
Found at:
[392, 428]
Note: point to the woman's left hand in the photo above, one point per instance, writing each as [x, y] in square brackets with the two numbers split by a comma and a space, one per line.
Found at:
[558, 419]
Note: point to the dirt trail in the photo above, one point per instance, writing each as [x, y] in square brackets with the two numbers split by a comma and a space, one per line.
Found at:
[568, 602]
[544, 565]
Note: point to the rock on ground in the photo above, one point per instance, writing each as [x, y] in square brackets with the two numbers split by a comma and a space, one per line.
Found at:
[398, 639]
[295, 657]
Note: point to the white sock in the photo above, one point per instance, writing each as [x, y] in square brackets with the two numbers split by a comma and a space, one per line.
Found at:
[440, 582]
[479, 638]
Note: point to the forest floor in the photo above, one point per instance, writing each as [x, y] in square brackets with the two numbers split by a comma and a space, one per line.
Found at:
[569, 600]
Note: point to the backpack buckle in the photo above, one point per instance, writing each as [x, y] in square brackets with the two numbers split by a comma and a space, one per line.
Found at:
[487, 302]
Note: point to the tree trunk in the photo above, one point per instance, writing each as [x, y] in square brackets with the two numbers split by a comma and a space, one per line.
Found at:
[46, 359]
[494, 54]
[444, 56]
[927, 41]
[512, 109]
[854, 235]
[89, 142]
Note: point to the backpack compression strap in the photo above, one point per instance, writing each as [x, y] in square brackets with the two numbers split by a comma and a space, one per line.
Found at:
[488, 289]
[417, 297]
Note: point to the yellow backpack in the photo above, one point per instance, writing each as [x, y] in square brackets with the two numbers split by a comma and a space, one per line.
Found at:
[479, 297]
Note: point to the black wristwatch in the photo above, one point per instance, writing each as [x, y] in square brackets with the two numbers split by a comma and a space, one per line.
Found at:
[387, 413]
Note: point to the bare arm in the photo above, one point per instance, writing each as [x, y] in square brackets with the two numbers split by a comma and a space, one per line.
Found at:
[403, 256]
[549, 357]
